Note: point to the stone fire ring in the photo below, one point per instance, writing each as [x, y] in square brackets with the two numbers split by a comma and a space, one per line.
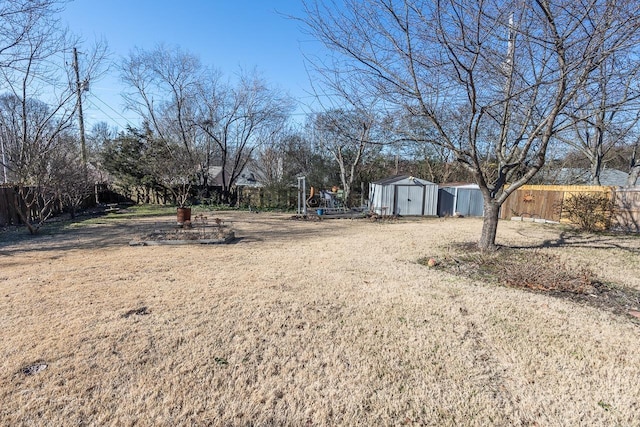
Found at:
[176, 242]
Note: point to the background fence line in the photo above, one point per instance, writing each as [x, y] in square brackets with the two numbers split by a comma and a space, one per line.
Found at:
[546, 201]
[529, 201]
[8, 214]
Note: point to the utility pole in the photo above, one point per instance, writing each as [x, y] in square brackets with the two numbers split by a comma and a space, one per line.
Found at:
[79, 89]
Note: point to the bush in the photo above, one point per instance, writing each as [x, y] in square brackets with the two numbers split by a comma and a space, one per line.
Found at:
[589, 211]
[535, 270]
[544, 272]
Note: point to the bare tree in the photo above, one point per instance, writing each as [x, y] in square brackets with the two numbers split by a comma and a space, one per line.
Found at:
[238, 119]
[31, 127]
[352, 126]
[607, 111]
[188, 104]
[38, 102]
[350, 137]
[34, 137]
[163, 86]
[494, 78]
[269, 160]
[67, 175]
[293, 154]
[434, 162]
[19, 19]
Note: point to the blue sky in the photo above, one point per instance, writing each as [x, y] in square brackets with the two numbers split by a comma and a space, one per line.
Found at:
[226, 34]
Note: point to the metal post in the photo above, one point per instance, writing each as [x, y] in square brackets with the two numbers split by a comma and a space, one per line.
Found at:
[299, 196]
[4, 159]
[302, 195]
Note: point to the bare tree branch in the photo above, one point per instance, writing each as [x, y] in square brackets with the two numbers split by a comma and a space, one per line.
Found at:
[495, 79]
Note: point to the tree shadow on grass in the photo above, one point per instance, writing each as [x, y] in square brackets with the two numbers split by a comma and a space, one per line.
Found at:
[108, 233]
[526, 268]
[576, 239]
[18, 240]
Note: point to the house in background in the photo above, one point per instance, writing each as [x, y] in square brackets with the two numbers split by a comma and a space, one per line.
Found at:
[403, 195]
[249, 177]
[582, 176]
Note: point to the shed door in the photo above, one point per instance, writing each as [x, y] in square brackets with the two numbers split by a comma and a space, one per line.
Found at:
[409, 200]
[446, 201]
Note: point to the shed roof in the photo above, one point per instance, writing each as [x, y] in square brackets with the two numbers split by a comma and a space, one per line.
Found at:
[398, 179]
[459, 185]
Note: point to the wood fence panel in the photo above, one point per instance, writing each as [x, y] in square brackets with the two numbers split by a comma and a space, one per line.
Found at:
[626, 214]
[533, 204]
[545, 201]
[8, 214]
[4, 208]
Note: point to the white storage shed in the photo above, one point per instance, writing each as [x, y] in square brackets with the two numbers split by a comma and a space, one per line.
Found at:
[403, 195]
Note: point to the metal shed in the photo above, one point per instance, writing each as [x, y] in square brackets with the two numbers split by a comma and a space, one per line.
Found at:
[460, 199]
[403, 195]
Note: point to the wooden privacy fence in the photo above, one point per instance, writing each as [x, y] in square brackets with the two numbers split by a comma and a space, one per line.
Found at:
[626, 214]
[546, 202]
[264, 198]
[11, 201]
[8, 213]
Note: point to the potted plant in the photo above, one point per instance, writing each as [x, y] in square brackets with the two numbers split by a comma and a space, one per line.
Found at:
[184, 211]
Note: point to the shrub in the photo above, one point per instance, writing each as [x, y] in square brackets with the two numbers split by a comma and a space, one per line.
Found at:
[544, 272]
[589, 211]
[535, 270]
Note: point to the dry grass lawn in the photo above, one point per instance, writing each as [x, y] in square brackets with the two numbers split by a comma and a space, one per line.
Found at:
[307, 323]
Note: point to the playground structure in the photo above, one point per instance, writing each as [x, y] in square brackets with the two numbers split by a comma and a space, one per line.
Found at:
[324, 203]
[326, 200]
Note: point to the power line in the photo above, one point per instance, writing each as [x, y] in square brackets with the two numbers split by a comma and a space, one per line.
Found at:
[108, 116]
[110, 108]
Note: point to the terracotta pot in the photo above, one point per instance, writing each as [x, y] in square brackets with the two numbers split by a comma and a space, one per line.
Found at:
[184, 215]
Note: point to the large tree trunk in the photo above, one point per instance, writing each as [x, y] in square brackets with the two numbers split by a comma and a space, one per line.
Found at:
[596, 169]
[22, 208]
[489, 226]
[225, 195]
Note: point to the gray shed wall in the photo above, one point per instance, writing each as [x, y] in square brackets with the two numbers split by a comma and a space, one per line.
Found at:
[404, 197]
[461, 200]
[382, 198]
[470, 202]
